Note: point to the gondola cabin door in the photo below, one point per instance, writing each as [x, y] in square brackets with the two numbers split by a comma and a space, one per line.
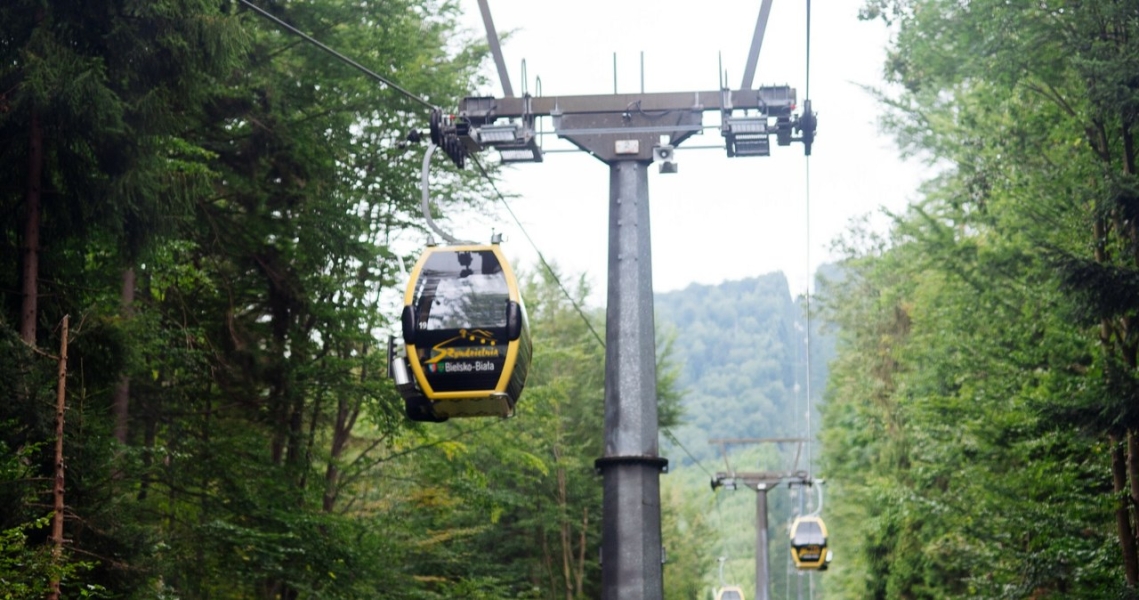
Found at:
[466, 333]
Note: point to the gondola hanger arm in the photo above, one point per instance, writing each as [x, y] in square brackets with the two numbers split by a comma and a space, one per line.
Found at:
[425, 184]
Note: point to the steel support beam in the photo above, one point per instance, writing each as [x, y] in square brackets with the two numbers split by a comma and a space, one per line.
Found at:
[777, 99]
[496, 49]
[756, 44]
[762, 585]
[620, 137]
[631, 552]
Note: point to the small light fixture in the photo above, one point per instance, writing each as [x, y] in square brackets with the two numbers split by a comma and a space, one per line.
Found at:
[490, 135]
[515, 142]
[746, 136]
[528, 153]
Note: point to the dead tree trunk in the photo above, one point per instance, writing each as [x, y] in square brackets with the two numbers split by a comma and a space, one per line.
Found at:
[57, 487]
[1123, 511]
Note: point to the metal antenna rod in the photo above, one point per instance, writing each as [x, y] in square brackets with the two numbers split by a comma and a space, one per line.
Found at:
[614, 72]
[642, 71]
[720, 71]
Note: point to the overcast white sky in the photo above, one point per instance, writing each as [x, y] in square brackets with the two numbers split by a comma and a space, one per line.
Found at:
[718, 218]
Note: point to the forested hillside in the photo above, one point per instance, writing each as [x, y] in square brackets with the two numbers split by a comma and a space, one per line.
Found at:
[220, 210]
[981, 432]
[740, 348]
[201, 217]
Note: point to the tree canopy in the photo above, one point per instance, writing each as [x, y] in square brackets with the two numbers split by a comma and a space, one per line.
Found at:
[223, 210]
[980, 424]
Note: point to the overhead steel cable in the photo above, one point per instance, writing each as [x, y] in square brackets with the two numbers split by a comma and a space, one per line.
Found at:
[807, 302]
[672, 438]
[807, 83]
[394, 86]
[341, 57]
[664, 430]
[541, 258]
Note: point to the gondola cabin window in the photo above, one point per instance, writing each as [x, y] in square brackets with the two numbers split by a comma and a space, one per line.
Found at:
[466, 290]
[809, 534]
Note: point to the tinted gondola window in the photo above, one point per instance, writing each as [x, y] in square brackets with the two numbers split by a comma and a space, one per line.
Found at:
[808, 533]
[731, 595]
[465, 289]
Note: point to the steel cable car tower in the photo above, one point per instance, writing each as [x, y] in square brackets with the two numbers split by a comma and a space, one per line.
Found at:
[624, 132]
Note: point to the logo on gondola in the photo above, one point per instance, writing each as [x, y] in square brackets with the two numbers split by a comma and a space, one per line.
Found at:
[461, 367]
[459, 348]
[810, 553]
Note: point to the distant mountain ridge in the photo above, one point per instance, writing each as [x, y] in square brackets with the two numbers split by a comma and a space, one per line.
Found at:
[741, 348]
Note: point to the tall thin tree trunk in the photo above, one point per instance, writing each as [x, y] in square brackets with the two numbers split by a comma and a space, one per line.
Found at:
[567, 545]
[580, 579]
[1122, 511]
[31, 248]
[57, 487]
[1130, 230]
[120, 404]
[1133, 480]
[341, 432]
[150, 437]
[548, 560]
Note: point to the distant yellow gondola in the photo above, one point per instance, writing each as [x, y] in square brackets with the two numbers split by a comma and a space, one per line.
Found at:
[466, 335]
[809, 543]
[730, 592]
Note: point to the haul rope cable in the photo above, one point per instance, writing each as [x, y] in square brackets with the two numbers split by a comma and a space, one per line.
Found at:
[482, 171]
[807, 168]
[424, 102]
[341, 57]
[664, 430]
[541, 257]
[807, 302]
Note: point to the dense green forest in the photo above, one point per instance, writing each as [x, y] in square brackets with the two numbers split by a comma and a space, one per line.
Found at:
[220, 212]
[981, 432]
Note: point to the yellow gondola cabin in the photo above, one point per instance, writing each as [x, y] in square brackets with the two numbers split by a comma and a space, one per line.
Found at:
[730, 592]
[809, 543]
[466, 336]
